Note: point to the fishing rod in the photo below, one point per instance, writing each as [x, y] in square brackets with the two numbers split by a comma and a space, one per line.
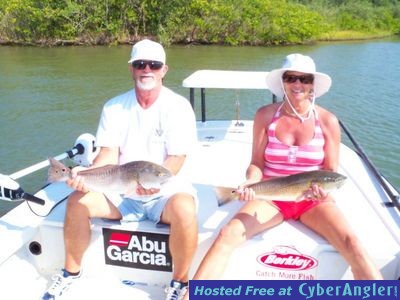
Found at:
[83, 153]
[389, 191]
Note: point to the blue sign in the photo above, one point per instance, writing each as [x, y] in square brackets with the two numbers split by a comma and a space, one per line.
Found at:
[297, 289]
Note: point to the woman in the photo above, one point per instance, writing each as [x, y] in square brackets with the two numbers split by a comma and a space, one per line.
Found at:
[290, 137]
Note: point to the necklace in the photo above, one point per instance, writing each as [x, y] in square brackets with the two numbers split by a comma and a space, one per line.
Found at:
[289, 112]
[303, 116]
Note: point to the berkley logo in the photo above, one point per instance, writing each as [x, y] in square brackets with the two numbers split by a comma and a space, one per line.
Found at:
[143, 250]
[287, 258]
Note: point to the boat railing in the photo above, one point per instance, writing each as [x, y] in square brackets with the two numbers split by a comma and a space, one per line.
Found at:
[392, 193]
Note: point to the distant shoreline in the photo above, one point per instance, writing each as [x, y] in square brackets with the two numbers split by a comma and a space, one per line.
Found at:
[330, 37]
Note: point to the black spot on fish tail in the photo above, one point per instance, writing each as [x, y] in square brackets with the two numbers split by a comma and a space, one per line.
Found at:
[224, 194]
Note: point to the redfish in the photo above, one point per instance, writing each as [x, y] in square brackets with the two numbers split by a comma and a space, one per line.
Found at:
[287, 188]
[122, 179]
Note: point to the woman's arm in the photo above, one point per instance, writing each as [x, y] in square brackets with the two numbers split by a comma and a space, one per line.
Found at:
[254, 172]
[262, 119]
[331, 130]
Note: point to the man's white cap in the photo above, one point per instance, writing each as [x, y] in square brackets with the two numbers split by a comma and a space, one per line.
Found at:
[147, 50]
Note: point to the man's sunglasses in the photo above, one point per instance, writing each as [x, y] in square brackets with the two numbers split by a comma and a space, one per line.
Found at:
[306, 79]
[141, 64]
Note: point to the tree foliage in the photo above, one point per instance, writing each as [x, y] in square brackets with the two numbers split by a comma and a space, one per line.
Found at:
[232, 22]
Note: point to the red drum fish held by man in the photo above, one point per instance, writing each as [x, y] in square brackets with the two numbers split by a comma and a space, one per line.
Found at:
[122, 179]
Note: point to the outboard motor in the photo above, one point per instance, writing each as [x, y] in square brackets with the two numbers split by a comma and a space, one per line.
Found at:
[87, 150]
[83, 153]
[11, 191]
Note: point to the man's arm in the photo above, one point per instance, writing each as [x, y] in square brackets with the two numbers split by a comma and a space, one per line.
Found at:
[106, 156]
[174, 163]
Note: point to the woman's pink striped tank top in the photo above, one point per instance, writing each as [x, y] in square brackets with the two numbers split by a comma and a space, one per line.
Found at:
[281, 159]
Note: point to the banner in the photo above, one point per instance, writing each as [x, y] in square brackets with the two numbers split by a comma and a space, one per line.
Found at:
[297, 289]
[136, 249]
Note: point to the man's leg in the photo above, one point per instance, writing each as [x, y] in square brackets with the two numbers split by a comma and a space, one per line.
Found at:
[81, 207]
[180, 214]
[77, 232]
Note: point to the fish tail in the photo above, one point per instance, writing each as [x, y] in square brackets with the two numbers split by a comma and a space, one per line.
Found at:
[57, 171]
[224, 194]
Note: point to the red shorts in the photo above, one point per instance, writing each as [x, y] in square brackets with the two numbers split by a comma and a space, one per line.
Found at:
[292, 209]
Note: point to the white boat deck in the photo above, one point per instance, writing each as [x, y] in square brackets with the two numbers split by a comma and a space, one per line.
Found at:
[32, 247]
[221, 157]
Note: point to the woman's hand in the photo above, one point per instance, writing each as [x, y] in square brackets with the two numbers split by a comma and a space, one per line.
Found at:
[245, 193]
[315, 192]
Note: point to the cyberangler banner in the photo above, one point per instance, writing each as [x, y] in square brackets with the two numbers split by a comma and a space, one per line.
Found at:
[297, 289]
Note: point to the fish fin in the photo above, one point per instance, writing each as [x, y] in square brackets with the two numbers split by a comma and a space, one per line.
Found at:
[224, 194]
[57, 171]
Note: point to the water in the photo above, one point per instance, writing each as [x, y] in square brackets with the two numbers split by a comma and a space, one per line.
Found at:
[49, 96]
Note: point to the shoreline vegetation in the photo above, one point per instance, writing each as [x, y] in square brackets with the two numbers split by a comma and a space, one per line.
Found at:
[329, 37]
[221, 22]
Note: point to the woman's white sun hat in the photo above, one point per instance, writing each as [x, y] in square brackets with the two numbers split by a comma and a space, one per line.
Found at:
[298, 63]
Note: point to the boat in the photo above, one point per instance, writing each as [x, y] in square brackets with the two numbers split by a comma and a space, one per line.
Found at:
[131, 260]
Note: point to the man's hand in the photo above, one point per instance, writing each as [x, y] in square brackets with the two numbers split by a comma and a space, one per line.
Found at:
[141, 191]
[77, 182]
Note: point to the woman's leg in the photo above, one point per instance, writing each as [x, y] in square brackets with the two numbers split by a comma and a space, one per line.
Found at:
[254, 217]
[327, 220]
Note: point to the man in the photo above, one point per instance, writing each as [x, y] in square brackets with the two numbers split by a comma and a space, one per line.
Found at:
[149, 122]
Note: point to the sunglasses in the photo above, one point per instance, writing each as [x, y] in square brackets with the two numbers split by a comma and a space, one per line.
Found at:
[141, 64]
[306, 79]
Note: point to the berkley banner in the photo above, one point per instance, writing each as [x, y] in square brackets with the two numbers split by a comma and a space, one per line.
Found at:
[286, 262]
[287, 258]
[135, 249]
[294, 289]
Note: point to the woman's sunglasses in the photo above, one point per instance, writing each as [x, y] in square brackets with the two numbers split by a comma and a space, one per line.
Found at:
[306, 79]
[141, 64]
